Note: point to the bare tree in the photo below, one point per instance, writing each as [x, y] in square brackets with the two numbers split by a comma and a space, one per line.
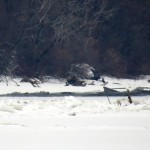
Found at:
[69, 19]
[8, 63]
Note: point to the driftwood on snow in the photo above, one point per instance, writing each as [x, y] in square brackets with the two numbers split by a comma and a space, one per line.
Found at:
[129, 96]
[75, 81]
[34, 82]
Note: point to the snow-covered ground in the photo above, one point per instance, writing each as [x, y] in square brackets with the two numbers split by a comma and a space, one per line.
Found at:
[54, 86]
[74, 123]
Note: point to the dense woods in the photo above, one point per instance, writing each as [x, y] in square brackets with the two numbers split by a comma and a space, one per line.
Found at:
[44, 37]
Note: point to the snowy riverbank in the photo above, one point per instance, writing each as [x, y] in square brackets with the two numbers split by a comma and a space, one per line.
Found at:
[74, 123]
[55, 87]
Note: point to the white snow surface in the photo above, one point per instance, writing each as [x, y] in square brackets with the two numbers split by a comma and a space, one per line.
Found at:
[55, 85]
[74, 123]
